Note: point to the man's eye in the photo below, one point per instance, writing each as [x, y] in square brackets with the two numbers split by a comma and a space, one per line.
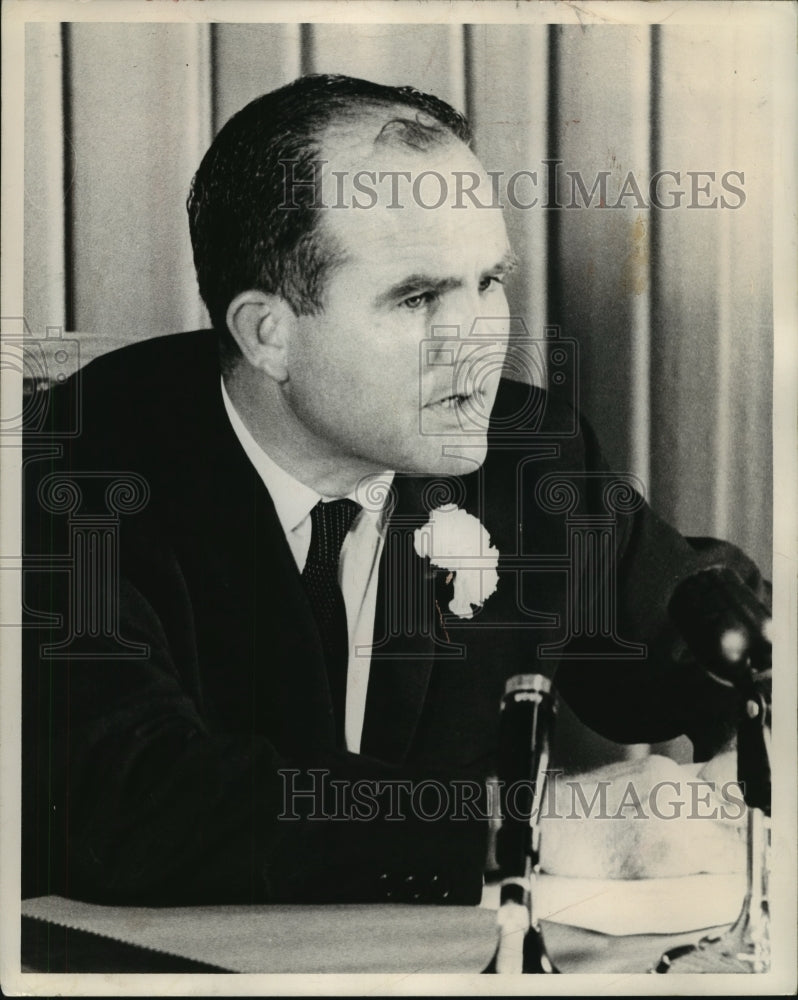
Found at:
[489, 282]
[418, 301]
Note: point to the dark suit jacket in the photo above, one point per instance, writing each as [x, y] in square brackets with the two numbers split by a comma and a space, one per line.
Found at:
[184, 687]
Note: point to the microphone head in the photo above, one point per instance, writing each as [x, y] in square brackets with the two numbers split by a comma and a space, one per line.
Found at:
[725, 626]
[527, 682]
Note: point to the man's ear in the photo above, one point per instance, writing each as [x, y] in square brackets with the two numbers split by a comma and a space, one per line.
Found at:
[261, 325]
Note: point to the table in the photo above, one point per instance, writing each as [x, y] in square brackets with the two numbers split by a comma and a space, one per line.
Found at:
[60, 935]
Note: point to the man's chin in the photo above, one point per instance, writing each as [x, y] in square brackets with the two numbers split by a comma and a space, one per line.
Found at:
[454, 456]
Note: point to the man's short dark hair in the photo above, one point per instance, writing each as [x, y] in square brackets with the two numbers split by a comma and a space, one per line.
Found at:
[242, 237]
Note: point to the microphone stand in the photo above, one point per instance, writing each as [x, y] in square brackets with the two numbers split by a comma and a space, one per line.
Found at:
[526, 727]
[728, 630]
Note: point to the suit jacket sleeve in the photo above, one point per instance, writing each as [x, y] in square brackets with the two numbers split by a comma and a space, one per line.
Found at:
[665, 694]
[134, 792]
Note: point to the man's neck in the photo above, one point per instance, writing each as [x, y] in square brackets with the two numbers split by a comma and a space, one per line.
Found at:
[274, 429]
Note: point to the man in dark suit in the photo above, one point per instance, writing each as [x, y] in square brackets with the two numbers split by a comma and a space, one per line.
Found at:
[247, 675]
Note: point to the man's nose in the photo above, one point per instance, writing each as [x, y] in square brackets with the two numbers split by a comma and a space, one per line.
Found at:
[465, 332]
[449, 329]
[461, 312]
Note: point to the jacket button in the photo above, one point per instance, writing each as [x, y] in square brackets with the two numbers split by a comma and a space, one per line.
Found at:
[384, 886]
[439, 888]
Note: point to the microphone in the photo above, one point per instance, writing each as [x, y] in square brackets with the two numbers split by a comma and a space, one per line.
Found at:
[729, 631]
[527, 719]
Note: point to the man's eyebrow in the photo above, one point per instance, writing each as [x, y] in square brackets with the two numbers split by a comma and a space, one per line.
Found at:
[415, 283]
[508, 263]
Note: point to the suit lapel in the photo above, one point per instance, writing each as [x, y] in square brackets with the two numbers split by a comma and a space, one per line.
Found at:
[405, 636]
[264, 653]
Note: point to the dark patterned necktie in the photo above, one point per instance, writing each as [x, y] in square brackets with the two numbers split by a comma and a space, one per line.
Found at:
[330, 523]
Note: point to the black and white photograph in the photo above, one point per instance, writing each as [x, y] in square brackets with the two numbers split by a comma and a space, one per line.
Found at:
[398, 565]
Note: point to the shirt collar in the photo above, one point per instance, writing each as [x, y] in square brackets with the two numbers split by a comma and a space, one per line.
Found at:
[293, 500]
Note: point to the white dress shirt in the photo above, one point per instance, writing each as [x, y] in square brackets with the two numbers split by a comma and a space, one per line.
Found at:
[358, 566]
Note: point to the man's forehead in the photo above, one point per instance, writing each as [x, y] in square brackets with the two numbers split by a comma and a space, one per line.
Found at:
[441, 243]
